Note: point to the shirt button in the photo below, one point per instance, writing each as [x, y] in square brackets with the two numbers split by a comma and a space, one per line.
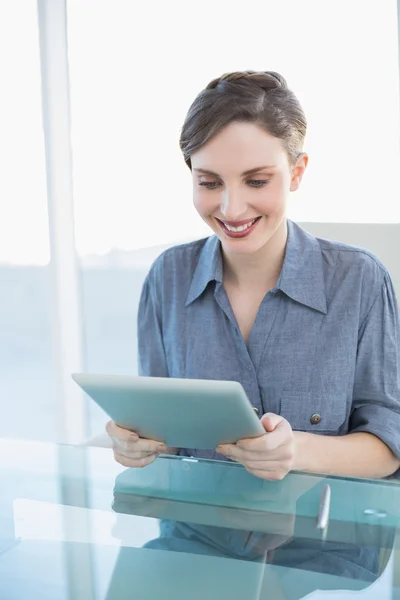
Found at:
[315, 419]
[255, 410]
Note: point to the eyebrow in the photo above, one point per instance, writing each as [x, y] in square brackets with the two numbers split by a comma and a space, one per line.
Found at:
[249, 172]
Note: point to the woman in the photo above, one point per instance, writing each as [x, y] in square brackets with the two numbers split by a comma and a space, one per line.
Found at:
[308, 327]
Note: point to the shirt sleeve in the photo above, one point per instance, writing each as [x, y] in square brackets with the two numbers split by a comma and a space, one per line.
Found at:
[151, 355]
[152, 360]
[376, 397]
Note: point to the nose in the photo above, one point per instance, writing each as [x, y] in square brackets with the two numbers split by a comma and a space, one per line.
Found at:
[232, 205]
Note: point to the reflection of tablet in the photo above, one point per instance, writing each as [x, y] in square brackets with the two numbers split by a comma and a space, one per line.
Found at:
[183, 413]
[147, 573]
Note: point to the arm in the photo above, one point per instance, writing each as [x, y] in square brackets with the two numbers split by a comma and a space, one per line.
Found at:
[152, 361]
[129, 449]
[281, 450]
[355, 454]
[372, 446]
[376, 394]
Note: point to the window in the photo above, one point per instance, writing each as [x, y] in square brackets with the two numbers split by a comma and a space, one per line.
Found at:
[26, 380]
[131, 87]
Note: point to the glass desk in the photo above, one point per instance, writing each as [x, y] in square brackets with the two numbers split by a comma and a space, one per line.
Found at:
[76, 525]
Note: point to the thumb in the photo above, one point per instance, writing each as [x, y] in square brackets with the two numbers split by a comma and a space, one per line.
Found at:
[270, 421]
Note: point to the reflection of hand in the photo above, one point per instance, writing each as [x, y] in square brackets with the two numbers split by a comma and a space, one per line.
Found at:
[269, 456]
[125, 528]
[277, 529]
[142, 506]
[132, 451]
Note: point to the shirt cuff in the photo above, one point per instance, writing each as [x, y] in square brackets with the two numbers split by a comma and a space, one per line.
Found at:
[380, 421]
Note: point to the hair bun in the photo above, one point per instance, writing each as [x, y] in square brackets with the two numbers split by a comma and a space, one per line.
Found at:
[266, 80]
[278, 77]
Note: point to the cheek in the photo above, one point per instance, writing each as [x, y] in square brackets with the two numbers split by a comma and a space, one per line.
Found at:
[276, 195]
[203, 203]
[268, 202]
[197, 202]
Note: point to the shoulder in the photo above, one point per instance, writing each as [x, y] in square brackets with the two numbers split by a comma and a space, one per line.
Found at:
[352, 261]
[178, 261]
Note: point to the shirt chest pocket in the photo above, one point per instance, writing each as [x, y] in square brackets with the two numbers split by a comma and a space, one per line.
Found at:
[324, 414]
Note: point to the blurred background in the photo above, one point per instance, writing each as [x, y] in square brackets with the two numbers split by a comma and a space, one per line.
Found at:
[93, 186]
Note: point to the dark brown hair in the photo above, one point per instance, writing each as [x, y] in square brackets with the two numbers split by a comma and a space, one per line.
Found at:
[259, 97]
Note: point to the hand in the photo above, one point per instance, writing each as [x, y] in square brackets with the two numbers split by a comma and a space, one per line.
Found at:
[132, 451]
[277, 526]
[269, 456]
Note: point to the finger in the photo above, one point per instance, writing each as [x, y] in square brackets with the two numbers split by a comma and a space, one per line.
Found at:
[259, 460]
[225, 449]
[270, 475]
[115, 431]
[282, 453]
[132, 455]
[256, 449]
[137, 463]
[276, 465]
[281, 435]
[141, 445]
[270, 421]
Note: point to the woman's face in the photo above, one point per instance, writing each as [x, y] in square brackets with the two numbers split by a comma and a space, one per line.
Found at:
[241, 184]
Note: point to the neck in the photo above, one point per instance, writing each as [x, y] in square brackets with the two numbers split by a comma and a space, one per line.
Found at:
[261, 268]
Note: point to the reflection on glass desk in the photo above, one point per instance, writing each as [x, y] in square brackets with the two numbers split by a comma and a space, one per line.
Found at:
[76, 525]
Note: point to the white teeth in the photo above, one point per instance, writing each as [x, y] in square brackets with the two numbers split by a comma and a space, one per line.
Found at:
[241, 228]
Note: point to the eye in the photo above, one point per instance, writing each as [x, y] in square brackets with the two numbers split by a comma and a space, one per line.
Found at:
[210, 185]
[257, 183]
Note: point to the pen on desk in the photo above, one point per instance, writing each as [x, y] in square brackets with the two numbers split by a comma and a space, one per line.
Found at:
[323, 512]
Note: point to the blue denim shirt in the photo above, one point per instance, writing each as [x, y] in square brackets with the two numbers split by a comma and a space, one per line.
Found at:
[325, 341]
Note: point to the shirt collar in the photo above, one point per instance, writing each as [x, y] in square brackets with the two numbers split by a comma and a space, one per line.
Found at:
[209, 268]
[302, 274]
[301, 278]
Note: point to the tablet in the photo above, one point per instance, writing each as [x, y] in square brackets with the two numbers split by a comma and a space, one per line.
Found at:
[182, 413]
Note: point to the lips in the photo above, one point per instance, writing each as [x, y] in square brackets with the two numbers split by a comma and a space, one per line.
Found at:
[238, 223]
[244, 231]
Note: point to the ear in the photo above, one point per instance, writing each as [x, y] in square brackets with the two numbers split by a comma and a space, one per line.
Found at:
[298, 171]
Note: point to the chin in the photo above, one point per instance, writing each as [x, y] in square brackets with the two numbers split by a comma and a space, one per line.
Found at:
[244, 247]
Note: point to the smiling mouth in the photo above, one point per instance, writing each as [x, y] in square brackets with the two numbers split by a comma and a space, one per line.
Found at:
[239, 231]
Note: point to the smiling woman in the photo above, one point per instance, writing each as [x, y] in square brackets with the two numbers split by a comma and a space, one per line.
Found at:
[232, 199]
[308, 327]
[252, 119]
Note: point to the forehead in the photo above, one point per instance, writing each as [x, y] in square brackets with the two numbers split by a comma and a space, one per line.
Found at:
[239, 147]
